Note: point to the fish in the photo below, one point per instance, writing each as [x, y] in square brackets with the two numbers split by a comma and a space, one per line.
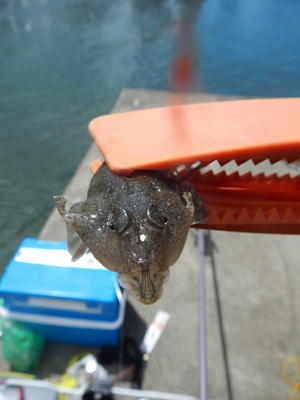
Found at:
[134, 225]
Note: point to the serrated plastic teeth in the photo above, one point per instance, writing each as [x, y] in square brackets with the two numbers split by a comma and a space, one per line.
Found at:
[264, 168]
[254, 216]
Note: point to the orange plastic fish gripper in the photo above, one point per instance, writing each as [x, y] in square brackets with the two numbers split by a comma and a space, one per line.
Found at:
[236, 130]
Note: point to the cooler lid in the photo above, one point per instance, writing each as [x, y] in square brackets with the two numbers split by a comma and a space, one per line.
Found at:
[42, 268]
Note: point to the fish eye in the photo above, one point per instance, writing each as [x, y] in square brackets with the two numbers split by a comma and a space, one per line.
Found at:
[119, 220]
[156, 216]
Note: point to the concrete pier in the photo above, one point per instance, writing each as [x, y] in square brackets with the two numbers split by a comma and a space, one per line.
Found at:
[252, 294]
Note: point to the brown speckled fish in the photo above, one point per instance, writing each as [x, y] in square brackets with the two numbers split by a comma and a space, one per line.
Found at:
[135, 225]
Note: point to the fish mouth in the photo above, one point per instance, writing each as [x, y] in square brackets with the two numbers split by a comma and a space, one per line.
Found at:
[145, 287]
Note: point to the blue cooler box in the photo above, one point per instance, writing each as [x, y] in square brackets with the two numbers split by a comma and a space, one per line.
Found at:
[67, 302]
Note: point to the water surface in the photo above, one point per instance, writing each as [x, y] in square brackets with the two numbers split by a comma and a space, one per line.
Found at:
[250, 47]
[62, 64]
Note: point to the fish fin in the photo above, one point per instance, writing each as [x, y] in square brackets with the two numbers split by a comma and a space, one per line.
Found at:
[76, 247]
[60, 203]
[200, 213]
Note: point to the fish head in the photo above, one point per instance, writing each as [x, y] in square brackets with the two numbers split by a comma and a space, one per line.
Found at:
[140, 245]
[146, 287]
[143, 253]
[135, 226]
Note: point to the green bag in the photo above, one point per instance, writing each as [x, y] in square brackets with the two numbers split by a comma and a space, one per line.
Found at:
[21, 346]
